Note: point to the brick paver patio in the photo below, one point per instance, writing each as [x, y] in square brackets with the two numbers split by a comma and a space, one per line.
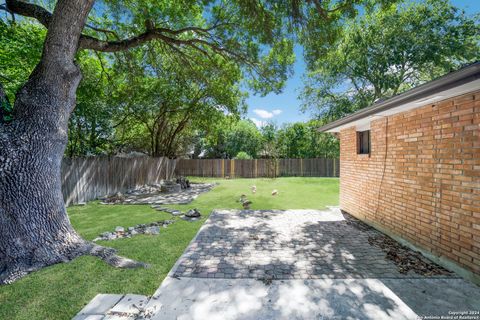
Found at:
[311, 265]
[293, 244]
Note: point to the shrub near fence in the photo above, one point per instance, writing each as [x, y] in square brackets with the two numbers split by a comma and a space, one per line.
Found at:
[220, 168]
[85, 179]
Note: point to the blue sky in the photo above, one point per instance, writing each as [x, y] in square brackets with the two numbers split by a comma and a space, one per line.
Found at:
[285, 107]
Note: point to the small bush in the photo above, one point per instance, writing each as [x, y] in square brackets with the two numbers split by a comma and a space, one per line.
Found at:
[242, 155]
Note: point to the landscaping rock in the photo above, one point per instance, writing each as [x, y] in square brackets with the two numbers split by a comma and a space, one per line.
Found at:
[168, 192]
[183, 182]
[171, 187]
[183, 217]
[159, 208]
[150, 229]
[193, 213]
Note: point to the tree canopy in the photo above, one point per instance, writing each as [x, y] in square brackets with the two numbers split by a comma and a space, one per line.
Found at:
[184, 93]
[158, 96]
[386, 51]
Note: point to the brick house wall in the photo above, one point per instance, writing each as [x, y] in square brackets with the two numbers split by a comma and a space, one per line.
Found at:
[421, 180]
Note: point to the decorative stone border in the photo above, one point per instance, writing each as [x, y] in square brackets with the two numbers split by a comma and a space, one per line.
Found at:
[190, 215]
[155, 194]
[120, 232]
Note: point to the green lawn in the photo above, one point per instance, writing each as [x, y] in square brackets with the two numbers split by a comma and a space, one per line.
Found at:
[60, 291]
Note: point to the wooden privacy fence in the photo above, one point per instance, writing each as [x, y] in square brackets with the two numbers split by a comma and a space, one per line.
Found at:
[316, 167]
[85, 179]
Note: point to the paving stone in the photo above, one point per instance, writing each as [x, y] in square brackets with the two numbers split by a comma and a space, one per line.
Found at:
[99, 305]
[119, 317]
[89, 317]
[292, 244]
[130, 304]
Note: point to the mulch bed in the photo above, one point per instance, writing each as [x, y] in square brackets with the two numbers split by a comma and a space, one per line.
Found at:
[404, 258]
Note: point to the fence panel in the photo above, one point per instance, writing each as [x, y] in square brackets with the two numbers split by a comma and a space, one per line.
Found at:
[236, 168]
[85, 179]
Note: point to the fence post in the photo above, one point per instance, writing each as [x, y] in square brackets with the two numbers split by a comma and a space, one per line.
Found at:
[301, 167]
[232, 168]
[223, 168]
[277, 168]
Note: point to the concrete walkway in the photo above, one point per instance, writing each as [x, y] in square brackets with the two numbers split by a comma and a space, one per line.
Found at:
[295, 264]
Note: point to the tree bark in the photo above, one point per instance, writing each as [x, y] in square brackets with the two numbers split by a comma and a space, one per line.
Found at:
[35, 230]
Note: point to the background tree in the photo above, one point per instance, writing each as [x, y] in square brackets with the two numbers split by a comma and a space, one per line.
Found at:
[386, 51]
[270, 147]
[90, 128]
[244, 136]
[293, 140]
[231, 137]
[171, 98]
[20, 48]
[302, 140]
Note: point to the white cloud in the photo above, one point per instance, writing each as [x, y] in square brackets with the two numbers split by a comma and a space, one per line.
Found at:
[258, 123]
[264, 114]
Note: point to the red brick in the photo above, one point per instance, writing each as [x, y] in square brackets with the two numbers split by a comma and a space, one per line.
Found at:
[430, 192]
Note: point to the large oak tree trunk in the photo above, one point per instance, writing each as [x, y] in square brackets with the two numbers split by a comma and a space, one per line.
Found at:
[34, 228]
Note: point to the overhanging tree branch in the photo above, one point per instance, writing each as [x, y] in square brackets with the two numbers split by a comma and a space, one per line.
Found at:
[202, 40]
[166, 35]
[169, 36]
[325, 12]
[29, 10]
